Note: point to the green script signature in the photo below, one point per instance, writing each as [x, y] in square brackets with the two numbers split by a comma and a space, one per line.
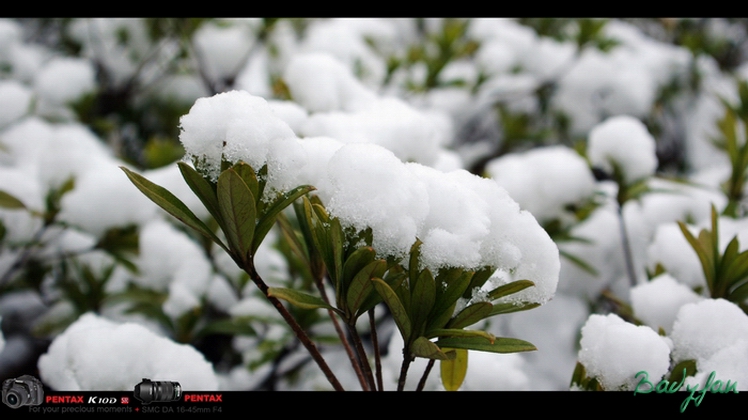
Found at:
[663, 386]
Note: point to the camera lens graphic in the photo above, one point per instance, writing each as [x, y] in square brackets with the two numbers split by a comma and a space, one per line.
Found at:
[13, 400]
[160, 391]
[25, 390]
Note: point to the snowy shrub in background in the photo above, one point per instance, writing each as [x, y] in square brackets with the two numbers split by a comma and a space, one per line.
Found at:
[415, 181]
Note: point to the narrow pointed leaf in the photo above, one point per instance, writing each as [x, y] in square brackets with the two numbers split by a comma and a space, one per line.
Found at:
[8, 201]
[247, 174]
[508, 307]
[299, 299]
[423, 347]
[172, 205]
[267, 220]
[457, 333]
[423, 295]
[358, 259]
[237, 207]
[509, 289]
[202, 189]
[456, 285]
[500, 345]
[470, 315]
[394, 281]
[702, 254]
[479, 279]
[396, 308]
[361, 286]
[453, 370]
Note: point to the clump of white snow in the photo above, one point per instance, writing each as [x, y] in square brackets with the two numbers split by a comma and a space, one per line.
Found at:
[171, 260]
[545, 180]
[626, 141]
[321, 83]
[235, 125]
[657, 302]
[670, 249]
[97, 354]
[701, 329]
[65, 79]
[614, 351]
[15, 101]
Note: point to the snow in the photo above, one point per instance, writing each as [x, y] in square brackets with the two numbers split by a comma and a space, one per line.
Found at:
[411, 134]
[244, 122]
[321, 83]
[63, 80]
[657, 302]
[103, 198]
[727, 364]
[624, 140]
[670, 249]
[223, 50]
[15, 101]
[95, 353]
[544, 180]
[171, 260]
[701, 329]
[613, 351]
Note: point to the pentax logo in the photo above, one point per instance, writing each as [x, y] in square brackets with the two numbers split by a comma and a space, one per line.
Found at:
[203, 398]
[64, 399]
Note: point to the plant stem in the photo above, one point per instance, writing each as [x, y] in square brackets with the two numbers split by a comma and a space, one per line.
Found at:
[422, 382]
[407, 359]
[343, 337]
[629, 260]
[375, 344]
[249, 267]
[363, 360]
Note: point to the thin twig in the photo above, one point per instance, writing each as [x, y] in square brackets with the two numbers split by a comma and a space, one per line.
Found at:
[300, 333]
[426, 373]
[626, 248]
[377, 354]
[363, 360]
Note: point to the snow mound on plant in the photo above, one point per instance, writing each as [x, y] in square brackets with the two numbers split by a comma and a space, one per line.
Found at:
[473, 223]
[235, 125]
[624, 141]
[545, 180]
[15, 101]
[657, 302]
[703, 328]
[97, 354]
[613, 351]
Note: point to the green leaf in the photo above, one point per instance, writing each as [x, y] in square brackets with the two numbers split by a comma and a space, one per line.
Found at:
[457, 281]
[267, 220]
[393, 280]
[509, 289]
[500, 344]
[247, 174]
[336, 245]
[453, 370]
[299, 299]
[458, 333]
[423, 347]
[396, 307]
[9, 201]
[479, 279]
[509, 307]
[228, 327]
[470, 315]
[361, 286]
[702, 253]
[172, 205]
[202, 189]
[237, 207]
[358, 259]
[423, 295]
